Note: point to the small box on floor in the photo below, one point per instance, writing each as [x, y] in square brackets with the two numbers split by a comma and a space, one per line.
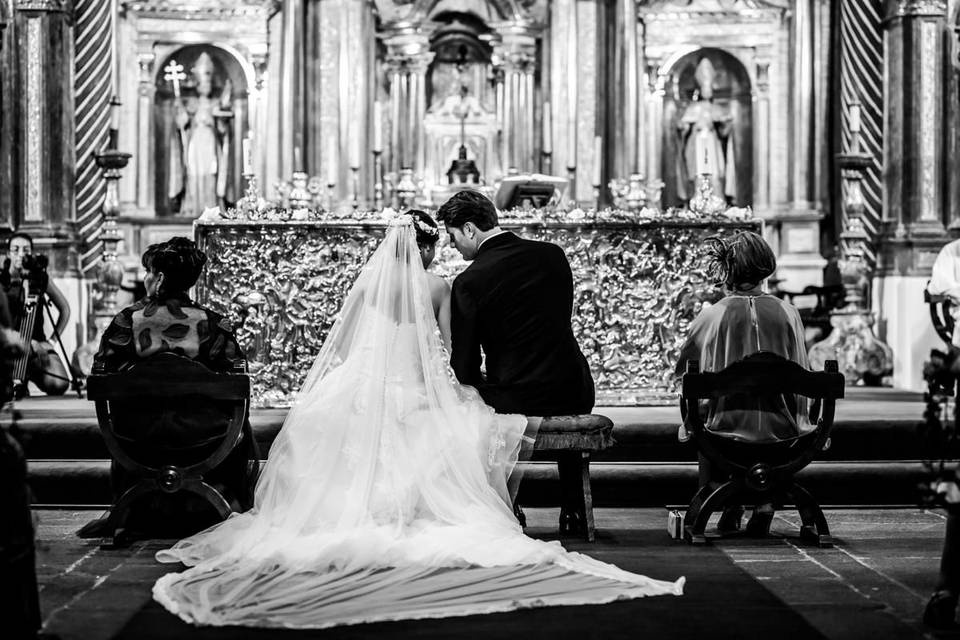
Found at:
[675, 524]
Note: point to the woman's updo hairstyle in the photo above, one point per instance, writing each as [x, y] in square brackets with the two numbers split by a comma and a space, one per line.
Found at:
[428, 231]
[741, 259]
[180, 262]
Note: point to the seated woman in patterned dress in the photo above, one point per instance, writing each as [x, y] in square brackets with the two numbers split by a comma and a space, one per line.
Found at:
[167, 320]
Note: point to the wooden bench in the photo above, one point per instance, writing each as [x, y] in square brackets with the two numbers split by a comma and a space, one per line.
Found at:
[760, 472]
[570, 440]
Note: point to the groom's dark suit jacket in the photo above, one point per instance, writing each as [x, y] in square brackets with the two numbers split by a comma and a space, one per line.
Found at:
[515, 301]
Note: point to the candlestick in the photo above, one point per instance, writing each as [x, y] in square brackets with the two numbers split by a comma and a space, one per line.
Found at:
[597, 160]
[854, 124]
[547, 144]
[572, 181]
[355, 200]
[854, 116]
[114, 112]
[246, 147]
[296, 159]
[331, 184]
[546, 163]
[354, 142]
[377, 127]
[331, 161]
[377, 180]
[114, 122]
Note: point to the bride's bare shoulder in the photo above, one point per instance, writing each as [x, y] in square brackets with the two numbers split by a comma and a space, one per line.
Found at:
[437, 284]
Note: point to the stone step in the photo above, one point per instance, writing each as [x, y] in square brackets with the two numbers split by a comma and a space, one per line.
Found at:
[615, 484]
[642, 434]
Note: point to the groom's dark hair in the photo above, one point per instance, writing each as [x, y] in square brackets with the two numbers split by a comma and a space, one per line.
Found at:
[468, 206]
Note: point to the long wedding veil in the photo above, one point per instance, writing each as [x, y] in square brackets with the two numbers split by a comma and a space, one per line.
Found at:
[384, 495]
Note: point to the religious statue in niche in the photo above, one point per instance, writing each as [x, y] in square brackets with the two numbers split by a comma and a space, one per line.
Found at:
[199, 172]
[705, 134]
[460, 126]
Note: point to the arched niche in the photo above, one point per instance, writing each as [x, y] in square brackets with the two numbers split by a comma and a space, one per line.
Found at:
[462, 61]
[226, 67]
[732, 93]
[462, 55]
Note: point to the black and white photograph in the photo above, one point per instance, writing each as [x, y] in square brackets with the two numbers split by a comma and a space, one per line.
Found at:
[496, 319]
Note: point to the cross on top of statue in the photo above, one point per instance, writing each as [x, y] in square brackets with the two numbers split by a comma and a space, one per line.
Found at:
[173, 72]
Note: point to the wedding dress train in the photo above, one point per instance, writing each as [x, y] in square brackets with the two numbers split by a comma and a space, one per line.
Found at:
[385, 495]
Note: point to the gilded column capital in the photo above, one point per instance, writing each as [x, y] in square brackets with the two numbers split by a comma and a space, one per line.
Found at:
[45, 6]
[515, 46]
[406, 38]
[260, 62]
[408, 48]
[145, 61]
[524, 62]
[763, 77]
[894, 9]
[402, 63]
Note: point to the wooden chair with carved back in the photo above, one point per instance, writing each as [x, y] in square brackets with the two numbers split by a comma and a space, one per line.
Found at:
[148, 417]
[940, 306]
[760, 472]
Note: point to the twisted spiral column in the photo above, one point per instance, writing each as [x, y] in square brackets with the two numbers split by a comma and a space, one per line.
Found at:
[92, 91]
[861, 80]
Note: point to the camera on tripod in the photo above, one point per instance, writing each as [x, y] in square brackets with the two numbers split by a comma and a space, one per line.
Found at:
[34, 270]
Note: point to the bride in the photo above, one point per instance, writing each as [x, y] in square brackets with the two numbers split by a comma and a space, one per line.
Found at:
[384, 496]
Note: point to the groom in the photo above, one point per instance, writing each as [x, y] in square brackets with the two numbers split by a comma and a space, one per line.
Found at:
[514, 302]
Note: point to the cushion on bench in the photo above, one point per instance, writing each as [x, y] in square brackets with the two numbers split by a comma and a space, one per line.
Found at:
[579, 432]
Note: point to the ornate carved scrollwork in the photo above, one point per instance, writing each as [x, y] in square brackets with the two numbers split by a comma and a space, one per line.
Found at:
[638, 286]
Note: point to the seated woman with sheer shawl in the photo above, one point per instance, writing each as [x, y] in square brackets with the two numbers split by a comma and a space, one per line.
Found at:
[745, 321]
[167, 320]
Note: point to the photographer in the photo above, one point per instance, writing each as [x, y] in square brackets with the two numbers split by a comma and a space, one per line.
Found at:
[25, 271]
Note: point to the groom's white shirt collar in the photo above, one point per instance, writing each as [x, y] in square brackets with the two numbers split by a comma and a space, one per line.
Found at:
[501, 232]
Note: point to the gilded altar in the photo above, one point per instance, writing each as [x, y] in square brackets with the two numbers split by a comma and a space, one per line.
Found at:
[639, 283]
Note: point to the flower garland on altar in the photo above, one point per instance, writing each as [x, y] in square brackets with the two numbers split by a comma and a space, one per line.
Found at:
[272, 212]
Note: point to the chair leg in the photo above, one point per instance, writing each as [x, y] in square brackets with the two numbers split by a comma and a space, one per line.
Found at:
[576, 507]
[587, 493]
[695, 524]
[211, 495]
[814, 524]
[120, 511]
[693, 512]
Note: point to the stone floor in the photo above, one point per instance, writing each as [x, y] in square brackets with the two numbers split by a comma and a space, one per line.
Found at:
[873, 584]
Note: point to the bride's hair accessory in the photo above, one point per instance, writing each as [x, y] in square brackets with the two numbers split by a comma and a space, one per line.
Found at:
[428, 231]
[402, 220]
